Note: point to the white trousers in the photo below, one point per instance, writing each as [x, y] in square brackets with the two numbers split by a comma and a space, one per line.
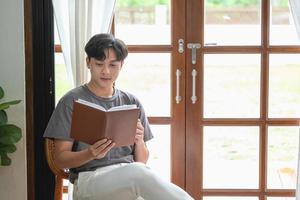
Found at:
[134, 181]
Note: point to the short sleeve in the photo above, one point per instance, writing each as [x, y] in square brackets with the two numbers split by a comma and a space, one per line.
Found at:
[60, 122]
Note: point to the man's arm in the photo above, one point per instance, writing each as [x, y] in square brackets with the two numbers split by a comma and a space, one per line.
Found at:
[141, 153]
[64, 157]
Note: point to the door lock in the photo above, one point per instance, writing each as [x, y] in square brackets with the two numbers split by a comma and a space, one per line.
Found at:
[180, 45]
[194, 47]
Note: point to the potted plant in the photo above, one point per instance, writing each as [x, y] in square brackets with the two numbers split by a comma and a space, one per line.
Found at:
[9, 133]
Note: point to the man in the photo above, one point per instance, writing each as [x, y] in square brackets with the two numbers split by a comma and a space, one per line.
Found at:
[102, 171]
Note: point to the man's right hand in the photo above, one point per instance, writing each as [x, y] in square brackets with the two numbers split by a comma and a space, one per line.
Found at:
[100, 148]
[65, 158]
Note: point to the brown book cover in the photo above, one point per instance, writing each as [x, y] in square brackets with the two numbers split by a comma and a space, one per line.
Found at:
[91, 122]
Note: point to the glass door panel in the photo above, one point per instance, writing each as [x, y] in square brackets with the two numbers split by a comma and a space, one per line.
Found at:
[143, 22]
[231, 85]
[230, 158]
[282, 24]
[62, 81]
[147, 76]
[160, 151]
[284, 84]
[283, 145]
[232, 23]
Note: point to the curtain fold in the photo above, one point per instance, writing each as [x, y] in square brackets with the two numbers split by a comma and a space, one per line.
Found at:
[77, 21]
[295, 10]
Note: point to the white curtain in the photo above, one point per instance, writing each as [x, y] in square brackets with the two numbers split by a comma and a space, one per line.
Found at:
[295, 9]
[77, 21]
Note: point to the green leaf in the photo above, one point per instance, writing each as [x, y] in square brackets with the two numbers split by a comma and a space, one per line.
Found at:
[7, 148]
[5, 160]
[10, 134]
[1, 92]
[3, 117]
[6, 105]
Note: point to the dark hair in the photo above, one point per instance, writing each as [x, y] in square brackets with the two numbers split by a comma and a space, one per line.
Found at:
[99, 43]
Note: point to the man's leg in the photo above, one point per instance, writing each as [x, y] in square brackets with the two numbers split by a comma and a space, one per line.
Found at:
[127, 182]
[152, 187]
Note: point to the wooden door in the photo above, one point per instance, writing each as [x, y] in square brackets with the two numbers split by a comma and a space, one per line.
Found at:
[242, 108]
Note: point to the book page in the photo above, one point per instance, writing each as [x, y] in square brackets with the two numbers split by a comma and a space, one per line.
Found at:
[90, 104]
[123, 107]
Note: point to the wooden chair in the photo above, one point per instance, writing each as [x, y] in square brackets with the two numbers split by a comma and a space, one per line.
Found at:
[59, 173]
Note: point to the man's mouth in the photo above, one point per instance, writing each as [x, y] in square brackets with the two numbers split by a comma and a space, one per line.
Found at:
[105, 79]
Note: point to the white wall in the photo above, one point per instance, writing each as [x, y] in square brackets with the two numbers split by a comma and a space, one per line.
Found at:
[13, 179]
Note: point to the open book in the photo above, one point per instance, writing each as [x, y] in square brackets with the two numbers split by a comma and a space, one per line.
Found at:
[92, 122]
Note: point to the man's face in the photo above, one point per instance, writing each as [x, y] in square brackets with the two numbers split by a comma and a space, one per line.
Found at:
[104, 72]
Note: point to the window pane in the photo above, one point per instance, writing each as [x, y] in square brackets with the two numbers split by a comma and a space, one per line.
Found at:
[138, 22]
[149, 81]
[282, 24]
[62, 82]
[231, 85]
[160, 151]
[284, 83]
[283, 144]
[236, 149]
[238, 21]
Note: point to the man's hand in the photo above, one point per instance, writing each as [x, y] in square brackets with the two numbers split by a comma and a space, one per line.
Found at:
[100, 148]
[141, 153]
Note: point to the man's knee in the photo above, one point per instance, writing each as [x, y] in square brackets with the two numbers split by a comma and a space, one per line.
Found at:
[138, 171]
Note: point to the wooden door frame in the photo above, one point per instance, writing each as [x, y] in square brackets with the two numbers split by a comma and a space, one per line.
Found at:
[39, 67]
[194, 135]
[178, 128]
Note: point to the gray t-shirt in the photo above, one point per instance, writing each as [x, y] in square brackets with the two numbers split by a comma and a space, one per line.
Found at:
[60, 123]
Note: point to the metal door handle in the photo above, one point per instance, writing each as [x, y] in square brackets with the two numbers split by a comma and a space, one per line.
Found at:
[194, 97]
[178, 97]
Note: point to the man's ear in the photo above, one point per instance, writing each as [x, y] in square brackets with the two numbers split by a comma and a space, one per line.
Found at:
[87, 59]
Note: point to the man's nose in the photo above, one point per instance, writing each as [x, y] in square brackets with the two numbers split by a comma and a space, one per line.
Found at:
[105, 69]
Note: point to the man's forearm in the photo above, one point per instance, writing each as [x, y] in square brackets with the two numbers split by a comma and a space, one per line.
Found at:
[69, 159]
[141, 153]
